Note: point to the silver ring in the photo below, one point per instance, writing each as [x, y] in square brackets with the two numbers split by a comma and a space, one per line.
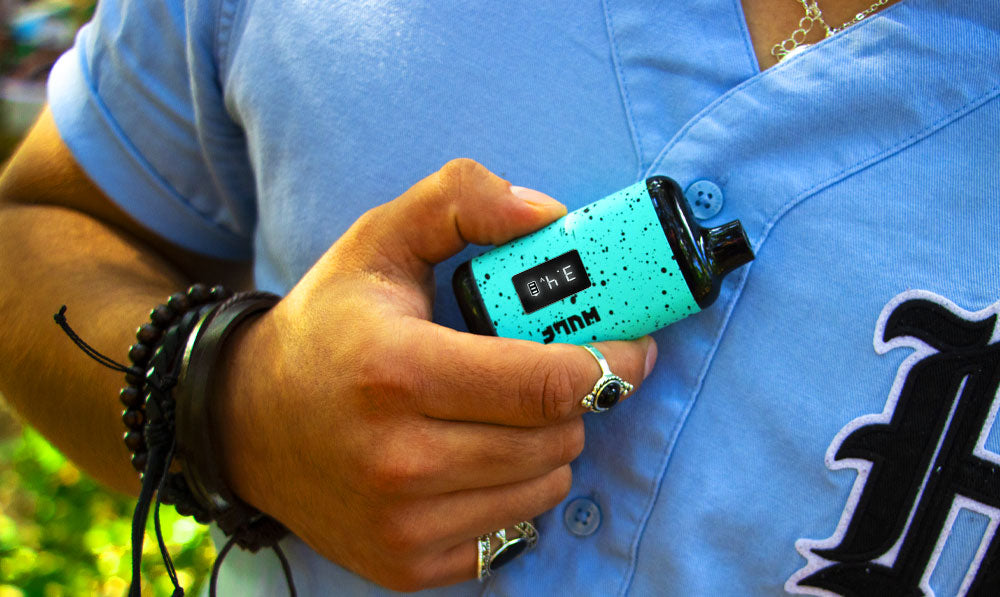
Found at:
[489, 559]
[608, 390]
[483, 559]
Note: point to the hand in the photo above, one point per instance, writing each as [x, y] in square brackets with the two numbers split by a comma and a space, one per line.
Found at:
[389, 443]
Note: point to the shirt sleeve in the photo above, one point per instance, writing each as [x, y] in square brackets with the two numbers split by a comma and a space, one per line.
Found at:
[139, 101]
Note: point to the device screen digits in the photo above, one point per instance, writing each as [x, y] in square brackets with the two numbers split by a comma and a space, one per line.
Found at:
[551, 281]
[618, 268]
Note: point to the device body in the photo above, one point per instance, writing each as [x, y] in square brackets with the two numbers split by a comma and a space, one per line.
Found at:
[616, 269]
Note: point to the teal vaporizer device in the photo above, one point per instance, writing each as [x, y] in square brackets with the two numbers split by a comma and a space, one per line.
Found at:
[616, 269]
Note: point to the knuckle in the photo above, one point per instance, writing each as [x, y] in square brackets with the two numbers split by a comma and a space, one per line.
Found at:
[460, 168]
[351, 251]
[399, 469]
[560, 484]
[367, 234]
[386, 477]
[368, 474]
[457, 174]
[629, 360]
[370, 362]
[636, 367]
[368, 219]
[549, 491]
[573, 440]
[398, 534]
[403, 555]
[381, 369]
[548, 391]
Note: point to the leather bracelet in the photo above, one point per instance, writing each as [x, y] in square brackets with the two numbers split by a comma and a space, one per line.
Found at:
[195, 443]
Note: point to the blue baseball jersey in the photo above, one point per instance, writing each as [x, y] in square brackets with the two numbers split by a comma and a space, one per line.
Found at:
[825, 428]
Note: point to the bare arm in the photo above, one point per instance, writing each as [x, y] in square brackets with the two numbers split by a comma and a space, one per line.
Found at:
[63, 242]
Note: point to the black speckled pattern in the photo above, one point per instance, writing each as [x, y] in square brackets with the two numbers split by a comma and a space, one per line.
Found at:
[637, 286]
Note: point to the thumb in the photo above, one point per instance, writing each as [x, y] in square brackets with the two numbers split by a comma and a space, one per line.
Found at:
[461, 203]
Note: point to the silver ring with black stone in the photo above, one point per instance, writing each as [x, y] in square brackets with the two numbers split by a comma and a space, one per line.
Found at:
[508, 548]
[608, 390]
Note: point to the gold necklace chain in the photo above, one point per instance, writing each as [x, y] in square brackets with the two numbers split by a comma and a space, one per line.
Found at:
[813, 16]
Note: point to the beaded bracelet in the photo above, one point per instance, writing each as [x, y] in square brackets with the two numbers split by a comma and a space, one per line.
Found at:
[150, 337]
[178, 349]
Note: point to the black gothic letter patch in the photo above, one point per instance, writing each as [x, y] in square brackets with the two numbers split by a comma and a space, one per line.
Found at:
[921, 462]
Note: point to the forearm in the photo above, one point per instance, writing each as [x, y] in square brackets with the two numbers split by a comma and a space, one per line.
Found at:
[62, 241]
[51, 256]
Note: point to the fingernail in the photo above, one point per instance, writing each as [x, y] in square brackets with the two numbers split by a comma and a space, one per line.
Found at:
[650, 358]
[535, 198]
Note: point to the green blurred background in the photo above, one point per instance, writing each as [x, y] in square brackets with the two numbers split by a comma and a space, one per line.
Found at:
[60, 532]
[63, 534]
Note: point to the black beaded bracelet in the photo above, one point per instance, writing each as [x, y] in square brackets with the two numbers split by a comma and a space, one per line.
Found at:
[150, 338]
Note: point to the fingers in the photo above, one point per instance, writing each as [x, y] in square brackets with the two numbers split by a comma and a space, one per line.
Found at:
[464, 377]
[456, 564]
[461, 203]
[492, 508]
[433, 543]
[439, 457]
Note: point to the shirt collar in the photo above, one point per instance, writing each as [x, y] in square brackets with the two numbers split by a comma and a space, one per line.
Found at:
[838, 107]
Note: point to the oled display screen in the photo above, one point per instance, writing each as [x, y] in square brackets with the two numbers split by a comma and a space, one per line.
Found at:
[551, 281]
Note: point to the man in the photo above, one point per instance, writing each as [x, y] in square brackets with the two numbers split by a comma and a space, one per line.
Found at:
[774, 447]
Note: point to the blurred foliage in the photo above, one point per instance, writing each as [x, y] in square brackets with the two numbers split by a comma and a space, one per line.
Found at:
[63, 534]
[27, 51]
[26, 26]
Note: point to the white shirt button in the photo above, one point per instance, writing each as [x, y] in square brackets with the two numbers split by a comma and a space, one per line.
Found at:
[705, 199]
[582, 517]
